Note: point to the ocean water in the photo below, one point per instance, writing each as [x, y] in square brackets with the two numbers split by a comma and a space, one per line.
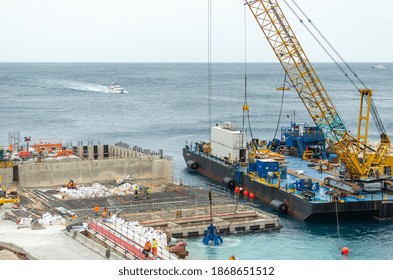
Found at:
[167, 105]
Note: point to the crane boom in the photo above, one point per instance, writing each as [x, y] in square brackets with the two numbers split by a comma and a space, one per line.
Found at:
[298, 68]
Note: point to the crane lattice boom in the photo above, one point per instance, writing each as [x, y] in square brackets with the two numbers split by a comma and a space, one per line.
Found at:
[310, 89]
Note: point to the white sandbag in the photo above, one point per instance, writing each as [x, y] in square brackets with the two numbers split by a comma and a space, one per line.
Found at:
[47, 216]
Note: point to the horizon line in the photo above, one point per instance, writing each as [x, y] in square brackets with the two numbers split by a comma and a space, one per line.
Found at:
[181, 62]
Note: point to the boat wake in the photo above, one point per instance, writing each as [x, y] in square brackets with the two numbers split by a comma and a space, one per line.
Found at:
[81, 86]
[75, 85]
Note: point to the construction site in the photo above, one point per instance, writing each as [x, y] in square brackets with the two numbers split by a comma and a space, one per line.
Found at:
[108, 206]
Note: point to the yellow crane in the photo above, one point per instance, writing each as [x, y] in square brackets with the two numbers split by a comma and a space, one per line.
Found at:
[360, 160]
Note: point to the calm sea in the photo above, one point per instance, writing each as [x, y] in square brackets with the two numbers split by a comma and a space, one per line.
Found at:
[167, 105]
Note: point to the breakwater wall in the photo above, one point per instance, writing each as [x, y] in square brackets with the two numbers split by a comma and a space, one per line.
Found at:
[157, 171]
[97, 163]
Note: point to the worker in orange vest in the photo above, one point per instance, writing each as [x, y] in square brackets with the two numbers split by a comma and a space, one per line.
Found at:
[146, 249]
[96, 210]
[71, 184]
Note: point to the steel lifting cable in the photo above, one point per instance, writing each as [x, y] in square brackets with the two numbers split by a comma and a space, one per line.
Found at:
[320, 43]
[245, 109]
[209, 70]
[245, 105]
[209, 64]
[282, 101]
[233, 217]
[326, 51]
[338, 224]
[374, 111]
[329, 44]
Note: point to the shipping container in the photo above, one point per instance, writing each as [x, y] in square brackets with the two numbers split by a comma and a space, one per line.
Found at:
[224, 152]
[230, 138]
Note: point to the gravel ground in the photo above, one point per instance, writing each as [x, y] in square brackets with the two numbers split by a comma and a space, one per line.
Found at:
[50, 243]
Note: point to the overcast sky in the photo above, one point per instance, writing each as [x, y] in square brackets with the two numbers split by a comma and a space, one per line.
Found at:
[176, 30]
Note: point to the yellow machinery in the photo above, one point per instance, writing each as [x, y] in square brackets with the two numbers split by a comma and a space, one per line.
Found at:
[5, 199]
[360, 160]
[2, 191]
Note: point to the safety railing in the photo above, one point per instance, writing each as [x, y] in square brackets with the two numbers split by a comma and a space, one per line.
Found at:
[126, 237]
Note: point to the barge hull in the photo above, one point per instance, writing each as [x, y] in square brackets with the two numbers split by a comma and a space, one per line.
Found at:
[297, 206]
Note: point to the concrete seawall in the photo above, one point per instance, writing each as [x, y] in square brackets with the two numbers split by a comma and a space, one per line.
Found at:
[158, 171]
[6, 176]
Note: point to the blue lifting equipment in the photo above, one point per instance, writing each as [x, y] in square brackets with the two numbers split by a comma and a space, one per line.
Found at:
[212, 232]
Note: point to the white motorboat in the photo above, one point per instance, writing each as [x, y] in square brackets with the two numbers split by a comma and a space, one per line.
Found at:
[379, 66]
[115, 88]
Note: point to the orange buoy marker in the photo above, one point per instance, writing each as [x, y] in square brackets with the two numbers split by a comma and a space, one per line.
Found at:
[245, 193]
[237, 190]
[252, 195]
[345, 251]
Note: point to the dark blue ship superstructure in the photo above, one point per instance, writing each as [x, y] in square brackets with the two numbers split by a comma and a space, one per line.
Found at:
[307, 140]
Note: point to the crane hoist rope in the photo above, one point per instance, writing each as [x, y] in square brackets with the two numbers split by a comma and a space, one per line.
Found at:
[246, 107]
[374, 111]
[282, 102]
[209, 63]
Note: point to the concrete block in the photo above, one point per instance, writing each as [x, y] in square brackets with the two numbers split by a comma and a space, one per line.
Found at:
[89, 243]
[90, 152]
[114, 256]
[100, 150]
[81, 238]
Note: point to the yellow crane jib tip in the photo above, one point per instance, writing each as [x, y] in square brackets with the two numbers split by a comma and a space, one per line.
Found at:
[365, 91]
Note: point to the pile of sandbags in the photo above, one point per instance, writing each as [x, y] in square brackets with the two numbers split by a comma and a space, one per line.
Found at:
[82, 191]
[48, 219]
[125, 189]
[99, 190]
[133, 228]
[23, 221]
[121, 181]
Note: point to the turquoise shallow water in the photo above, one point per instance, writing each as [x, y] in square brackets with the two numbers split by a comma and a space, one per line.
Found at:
[298, 240]
[167, 106]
